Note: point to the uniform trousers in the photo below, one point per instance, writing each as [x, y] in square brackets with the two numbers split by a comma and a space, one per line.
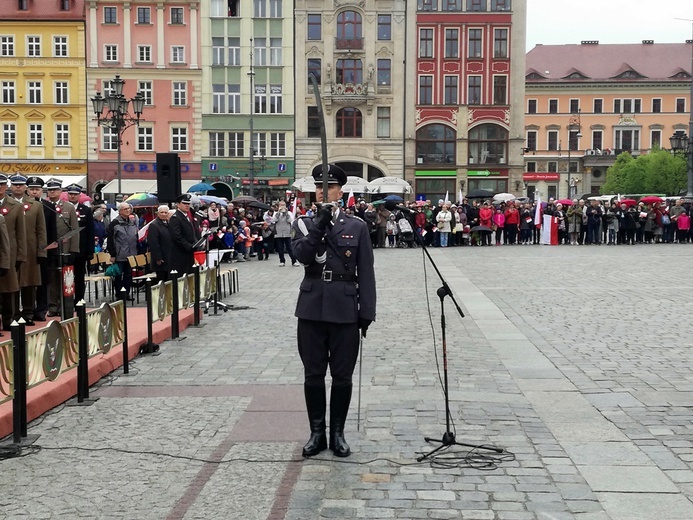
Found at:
[322, 344]
[28, 303]
[80, 275]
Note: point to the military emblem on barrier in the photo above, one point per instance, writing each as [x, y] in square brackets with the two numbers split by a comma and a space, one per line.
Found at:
[53, 351]
[68, 281]
[208, 282]
[185, 300]
[161, 304]
[104, 335]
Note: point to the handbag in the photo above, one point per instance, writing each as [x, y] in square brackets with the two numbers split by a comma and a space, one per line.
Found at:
[666, 220]
[440, 225]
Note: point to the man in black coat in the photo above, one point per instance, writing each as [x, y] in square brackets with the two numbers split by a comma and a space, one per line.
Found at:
[159, 240]
[35, 189]
[184, 227]
[86, 239]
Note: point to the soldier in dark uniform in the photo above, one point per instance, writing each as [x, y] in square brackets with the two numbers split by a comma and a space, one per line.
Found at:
[85, 221]
[9, 283]
[35, 190]
[185, 231]
[336, 300]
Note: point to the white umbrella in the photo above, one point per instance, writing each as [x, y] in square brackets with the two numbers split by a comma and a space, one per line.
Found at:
[389, 185]
[504, 197]
[305, 184]
[355, 184]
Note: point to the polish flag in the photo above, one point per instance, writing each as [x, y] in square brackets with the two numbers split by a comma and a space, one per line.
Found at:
[351, 200]
[447, 197]
[537, 213]
[294, 208]
[142, 233]
[460, 197]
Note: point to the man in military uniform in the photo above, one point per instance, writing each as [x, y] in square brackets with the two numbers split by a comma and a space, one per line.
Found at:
[35, 190]
[185, 231]
[336, 300]
[14, 220]
[85, 221]
[66, 221]
[35, 228]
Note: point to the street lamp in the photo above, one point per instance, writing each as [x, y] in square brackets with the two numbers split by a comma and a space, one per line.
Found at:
[116, 115]
[573, 125]
[682, 142]
[251, 169]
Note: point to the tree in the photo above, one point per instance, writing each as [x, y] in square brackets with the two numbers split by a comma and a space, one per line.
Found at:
[656, 172]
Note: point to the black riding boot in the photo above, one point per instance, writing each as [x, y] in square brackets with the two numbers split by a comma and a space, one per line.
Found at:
[315, 404]
[339, 408]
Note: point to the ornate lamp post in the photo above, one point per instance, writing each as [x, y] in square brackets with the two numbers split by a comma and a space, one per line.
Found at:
[573, 125]
[117, 116]
[251, 169]
[684, 143]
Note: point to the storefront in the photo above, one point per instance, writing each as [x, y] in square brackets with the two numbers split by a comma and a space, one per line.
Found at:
[543, 184]
[495, 181]
[271, 177]
[434, 184]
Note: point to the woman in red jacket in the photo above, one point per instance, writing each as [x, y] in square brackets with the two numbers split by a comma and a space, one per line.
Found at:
[485, 217]
[512, 223]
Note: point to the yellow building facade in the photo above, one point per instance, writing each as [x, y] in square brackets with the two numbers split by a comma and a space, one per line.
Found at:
[43, 97]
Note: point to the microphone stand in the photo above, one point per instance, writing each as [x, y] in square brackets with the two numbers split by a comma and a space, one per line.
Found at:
[443, 291]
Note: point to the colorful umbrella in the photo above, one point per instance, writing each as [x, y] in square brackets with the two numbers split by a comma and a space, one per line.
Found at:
[208, 199]
[651, 199]
[200, 186]
[142, 200]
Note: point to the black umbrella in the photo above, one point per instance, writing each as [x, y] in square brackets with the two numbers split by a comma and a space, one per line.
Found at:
[244, 199]
[480, 228]
[259, 205]
[480, 194]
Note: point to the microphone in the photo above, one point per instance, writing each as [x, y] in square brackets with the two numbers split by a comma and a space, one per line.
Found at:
[391, 205]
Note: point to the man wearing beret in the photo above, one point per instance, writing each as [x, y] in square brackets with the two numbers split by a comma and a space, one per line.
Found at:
[35, 190]
[185, 231]
[9, 283]
[335, 302]
[35, 228]
[85, 221]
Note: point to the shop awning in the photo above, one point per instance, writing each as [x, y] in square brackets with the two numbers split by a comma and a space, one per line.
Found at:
[66, 179]
[130, 186]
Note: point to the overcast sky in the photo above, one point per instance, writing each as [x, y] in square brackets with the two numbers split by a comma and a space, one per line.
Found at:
[609, 21]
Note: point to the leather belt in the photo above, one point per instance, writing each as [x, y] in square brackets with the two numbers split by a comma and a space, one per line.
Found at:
[329, 276]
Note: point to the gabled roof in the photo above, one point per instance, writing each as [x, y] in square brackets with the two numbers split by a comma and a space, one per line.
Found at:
[609, 62]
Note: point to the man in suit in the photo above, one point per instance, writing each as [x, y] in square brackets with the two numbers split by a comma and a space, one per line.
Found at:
[335, 302]
[85, 221]
[14, 220]
[184, 227]
[159, 240]
[35, 190]
[66, 221]
[35, 228]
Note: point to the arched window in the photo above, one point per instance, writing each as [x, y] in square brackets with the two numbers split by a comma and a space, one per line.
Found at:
[349, 71]
[349, 122]
[435, 144]
[349, 25]
[488, 144]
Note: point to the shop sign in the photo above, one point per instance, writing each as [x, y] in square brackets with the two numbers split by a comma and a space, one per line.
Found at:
[541, 177]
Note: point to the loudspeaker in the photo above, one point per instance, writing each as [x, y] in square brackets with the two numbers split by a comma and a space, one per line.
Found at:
[168, 176]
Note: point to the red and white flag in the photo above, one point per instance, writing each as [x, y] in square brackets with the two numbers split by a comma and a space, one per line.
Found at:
[351, 201]
[142, 233]
[294, 207]
[537, 213]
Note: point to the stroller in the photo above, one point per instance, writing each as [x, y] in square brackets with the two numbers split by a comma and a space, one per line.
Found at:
[406, 233]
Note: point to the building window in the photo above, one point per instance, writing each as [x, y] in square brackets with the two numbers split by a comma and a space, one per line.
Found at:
[34, 92]
[275, 99]
[384, 72]
[258, 143]
[259, 8]
[435, 144]
[217, 144]
[219, 96]
[145, 87]
[552, 166]
[597, 139]
[315, 68]
[488, 144]
[425, 90]
[314, 27]
[218, 51]
[598, 106]
[349, 71]
[500, 90]
[236, 144]
[277, 144]
[144, 53]
[35, 134]
[427, 5]
[532, 140]
[476, 5]
[553, 106]
[33, 46]
[627, 139]
[61, 93]
[349, 122]
[384, 27]
[234, 51]
[22, 5]
[475, 43]
[574, 106]
[656, 105]
[260, 99]
[110, 53]
[6, 46]
[531, 106]
[145, 138]
[500, 5]
[383, 122]
[425, 43]
[177, 54]
[680, 105]
[450, 90]
[180, 97]
[452, 5]
[573, 140]
[177, 16]
[552, 136]
[234, 98]
[110, 15]
[260, 52]
[655, 139]
[109, 139]
[8, 92]
[275, 8]
[275, 52]
[60, 46]
[531, 166]
[62, 134]
[617, 106]
[179, 139]
[474, 90]
[313, 129]
[452, 43]
[144, 15]
[500, 43]
[9, 134]
[349, 25]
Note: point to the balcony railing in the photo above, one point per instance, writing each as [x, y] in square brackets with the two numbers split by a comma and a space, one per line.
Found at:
[351, 44]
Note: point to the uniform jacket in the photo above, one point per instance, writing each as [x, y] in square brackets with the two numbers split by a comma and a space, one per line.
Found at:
[345, 249]
[184, 233]
[85, 218]
[35, 226]
[159, 239]
[16, 232]
[5, 253]
[65, 221]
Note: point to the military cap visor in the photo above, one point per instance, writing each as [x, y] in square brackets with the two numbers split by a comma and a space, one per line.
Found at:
[34, 182]
[186, 198]
[18, 179]
[335, 175]
[74, 189]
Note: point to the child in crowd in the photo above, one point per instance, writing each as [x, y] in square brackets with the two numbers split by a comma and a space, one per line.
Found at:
[391, 229]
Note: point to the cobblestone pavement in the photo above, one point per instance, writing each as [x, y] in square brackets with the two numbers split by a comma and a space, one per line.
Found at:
[575, 359]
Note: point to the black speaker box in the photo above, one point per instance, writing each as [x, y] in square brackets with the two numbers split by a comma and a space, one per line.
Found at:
[168, 176]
